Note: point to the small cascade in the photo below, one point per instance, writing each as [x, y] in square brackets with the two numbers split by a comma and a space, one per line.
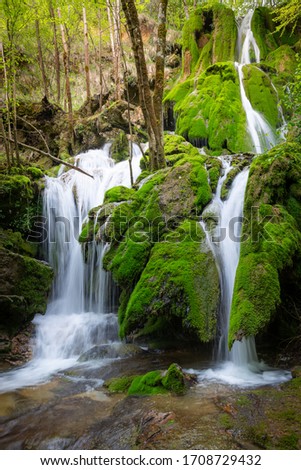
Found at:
[262, 135]
[81, 312]
[239, 366]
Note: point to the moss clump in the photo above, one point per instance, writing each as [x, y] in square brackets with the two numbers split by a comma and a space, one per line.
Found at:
[89, 230]
[272, 237]
[209, 36]
[282, 59]
[152, 383]
[261, 94]
[179, 287]
[14, 242]
[119, 149]
[118, 194]
[263, 28]
[210, 112]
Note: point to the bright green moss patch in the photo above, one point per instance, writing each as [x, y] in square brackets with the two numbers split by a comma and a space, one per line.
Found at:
[173, 380]
[282, 59]
[261, 94]
[272, 240]
[211, 112]
[118, 194]
[209, 36]
[119, 149]
[178, 284]
[263, 28]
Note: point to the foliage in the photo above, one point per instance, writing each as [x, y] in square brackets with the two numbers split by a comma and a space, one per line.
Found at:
[292, 101]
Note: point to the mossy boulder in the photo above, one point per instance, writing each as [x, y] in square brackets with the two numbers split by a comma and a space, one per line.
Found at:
[25, 284]
[268, 269]
[282, 59]
[263, 28]
[173, 380]
[209, 111]
[118, 194]
[158, 252]
[178, 290]
[209, 36]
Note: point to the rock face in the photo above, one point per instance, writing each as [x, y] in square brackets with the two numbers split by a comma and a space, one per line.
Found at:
[158, 254]
[25, 283]
[268, 276]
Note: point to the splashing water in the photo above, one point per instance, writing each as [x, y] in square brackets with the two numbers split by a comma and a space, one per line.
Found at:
[80, 313]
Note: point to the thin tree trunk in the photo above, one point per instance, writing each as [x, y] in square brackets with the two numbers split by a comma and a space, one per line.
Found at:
[99, 60]
[6, 142]
[15, 118]
[56, 54]
[117, 55]
[41, 59]
[186, 9]
[152, 109]
[67, 80]
[159, 82]
[87, 59]
[7, 104]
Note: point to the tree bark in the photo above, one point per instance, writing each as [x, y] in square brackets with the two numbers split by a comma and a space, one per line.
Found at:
[41, 59]
[87, 59]
[117, 56]
[6, 142]
[99, 59]
[7, 103]
[151, 106]
[186, 9]
[56, 54]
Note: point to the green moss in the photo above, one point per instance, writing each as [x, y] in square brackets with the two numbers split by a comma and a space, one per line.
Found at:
[25, 283]
[282, 59]
[261, 94]
[118, 222]
[272, 236]
[209, 36]
[89, 230]
[119, 384]
[13, 241]
[263, 28]
[174, 380]
[118, 194]
[179, 282]
[211, 114]
[148, 384]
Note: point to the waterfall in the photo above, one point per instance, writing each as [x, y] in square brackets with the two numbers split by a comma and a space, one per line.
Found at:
[240, 365]
[81, 312]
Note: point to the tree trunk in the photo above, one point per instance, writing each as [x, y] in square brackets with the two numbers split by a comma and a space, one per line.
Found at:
[99, 59]
[7, 103]
[6, 142]
[151, 106]
[15, 118]
[117, 55]
[186, 9]
[41, 59]
[56, 54]
[67, 80]
[87, 59]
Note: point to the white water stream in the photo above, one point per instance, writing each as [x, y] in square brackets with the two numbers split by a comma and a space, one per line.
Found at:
[79, 316]
[240, 366]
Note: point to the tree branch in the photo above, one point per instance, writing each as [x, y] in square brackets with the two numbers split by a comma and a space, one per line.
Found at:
[55, 159]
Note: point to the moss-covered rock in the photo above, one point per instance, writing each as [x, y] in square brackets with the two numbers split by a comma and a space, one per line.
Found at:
[25, 283]
[263, 28]
[178, 290]
[119, 149]
[157, 248]
[173, 380]
[209, 36]
[209, 110]
[282, 59]
[270, 254]
[118, 194]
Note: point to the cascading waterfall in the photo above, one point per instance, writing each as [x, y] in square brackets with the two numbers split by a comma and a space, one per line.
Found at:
[80, 313]
[240, 365]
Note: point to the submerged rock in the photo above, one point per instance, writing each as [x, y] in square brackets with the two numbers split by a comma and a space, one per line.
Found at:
[111, 351]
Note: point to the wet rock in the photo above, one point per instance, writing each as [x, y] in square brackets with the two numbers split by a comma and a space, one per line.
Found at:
[296, 372]
[111, 351]
[154, 425]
